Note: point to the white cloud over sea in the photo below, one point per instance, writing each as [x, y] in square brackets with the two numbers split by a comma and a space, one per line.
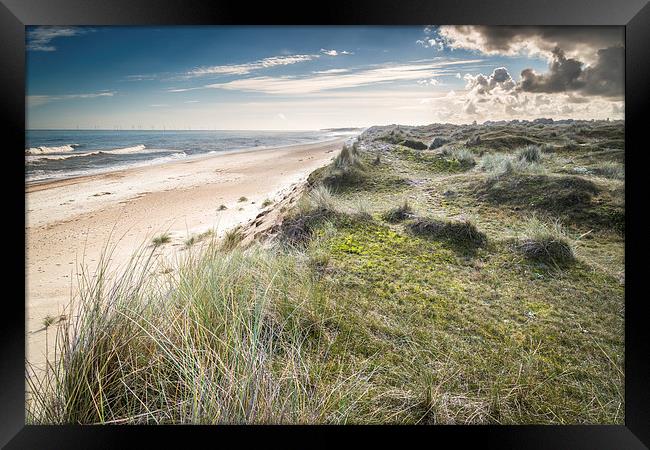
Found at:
[323, 81]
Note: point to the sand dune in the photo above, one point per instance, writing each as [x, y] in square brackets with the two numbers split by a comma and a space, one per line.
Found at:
[71, 219]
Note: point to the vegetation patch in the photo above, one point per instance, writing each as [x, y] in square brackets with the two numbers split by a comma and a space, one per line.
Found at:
[161, 239]
[232, 339]
[503, 141]
[196, 238]
[462, 231]
[437, 162]
[353, 171]
[547, 243]
[398, 214]
[551, 193]
[611, 170]
[299, 228]
[462, 155]
[415, 145]
[232, 239]
[530, 154]
[438, 142]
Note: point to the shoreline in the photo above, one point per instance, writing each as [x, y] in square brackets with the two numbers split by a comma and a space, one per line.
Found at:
[73, 220]
[35, 185]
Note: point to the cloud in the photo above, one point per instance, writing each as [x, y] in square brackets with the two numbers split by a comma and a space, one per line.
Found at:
[577, 42]
[331, 71]
[431, 42]
[184, 89]
[192, 101]
[246, 68]
[588, 60]
[291, 85]
[500, 105]
[604, 77]
[37, 100]
[430, 82]
[282, 116]
[481, 84]
[498, 96]
[431, 39]
[39, 39]
[141, 77]
[334, 52]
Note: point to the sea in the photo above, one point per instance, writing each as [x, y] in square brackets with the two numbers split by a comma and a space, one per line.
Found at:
[57, 154]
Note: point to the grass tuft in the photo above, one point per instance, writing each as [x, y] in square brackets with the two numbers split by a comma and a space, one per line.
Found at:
[400, 213]
[232, 239]
[161, 239]
[610, 170]
[462, 155]
[530, 154]
[547, 243]
[195, 238]
[498, 165]
[461, 231]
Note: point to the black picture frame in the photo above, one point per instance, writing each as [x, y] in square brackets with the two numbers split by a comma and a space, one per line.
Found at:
[633, 14]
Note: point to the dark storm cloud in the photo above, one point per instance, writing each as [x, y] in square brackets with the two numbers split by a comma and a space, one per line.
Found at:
[563, 75]
[584, 60]
[605, 77]
[578, 42]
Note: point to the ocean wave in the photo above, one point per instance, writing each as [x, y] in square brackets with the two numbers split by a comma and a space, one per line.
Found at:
[32, 158]
[125, 150]
[173, 156]
[140, 149]
[45, 150]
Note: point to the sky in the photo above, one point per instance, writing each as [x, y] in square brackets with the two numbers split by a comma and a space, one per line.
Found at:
[308, 77]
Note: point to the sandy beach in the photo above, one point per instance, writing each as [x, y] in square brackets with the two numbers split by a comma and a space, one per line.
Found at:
[68, 219]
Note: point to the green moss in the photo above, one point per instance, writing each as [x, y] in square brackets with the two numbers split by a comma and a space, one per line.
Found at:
[431, 161]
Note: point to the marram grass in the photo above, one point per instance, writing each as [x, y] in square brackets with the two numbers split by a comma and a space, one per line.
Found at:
[229, 337]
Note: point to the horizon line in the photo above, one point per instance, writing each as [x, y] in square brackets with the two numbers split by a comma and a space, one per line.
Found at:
[321, 129]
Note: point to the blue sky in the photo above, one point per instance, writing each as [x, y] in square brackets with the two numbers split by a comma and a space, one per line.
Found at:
[232, 77]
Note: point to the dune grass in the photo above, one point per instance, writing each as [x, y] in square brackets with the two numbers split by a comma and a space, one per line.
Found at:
[229, 338]
[546, 242]
[161, 239]
[530, 154]
[196, 238]
[460, 231]
[462, 155]
[232, 239]
[399, 213]
[611, 170]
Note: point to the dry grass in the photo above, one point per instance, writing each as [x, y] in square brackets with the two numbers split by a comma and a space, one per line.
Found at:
[161, 239]
[546, 242]
[230, 338]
